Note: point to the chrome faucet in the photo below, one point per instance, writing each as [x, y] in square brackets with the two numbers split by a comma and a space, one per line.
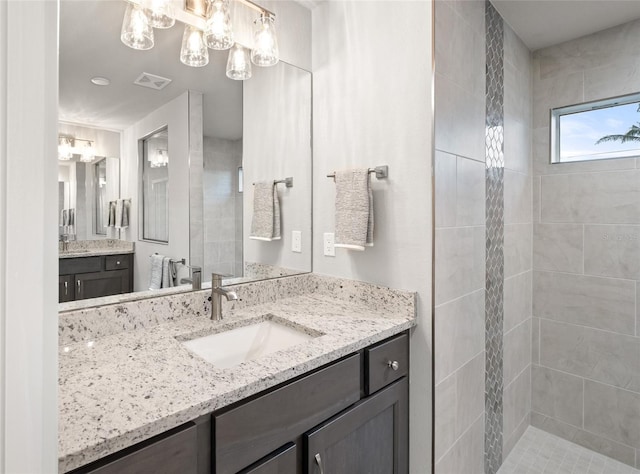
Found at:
[217, 292]
[64, 238]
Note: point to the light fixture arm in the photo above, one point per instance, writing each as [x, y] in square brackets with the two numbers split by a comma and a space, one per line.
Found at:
[257, 8]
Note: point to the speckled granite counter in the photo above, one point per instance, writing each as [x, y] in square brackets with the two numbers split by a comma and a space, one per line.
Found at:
[125, 377]
[92, 248]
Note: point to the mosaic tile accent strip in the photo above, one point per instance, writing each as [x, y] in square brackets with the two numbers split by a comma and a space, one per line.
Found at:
[494, 282]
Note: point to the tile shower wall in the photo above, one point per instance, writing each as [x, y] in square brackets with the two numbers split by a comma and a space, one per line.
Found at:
[586, 243]
[222, 207]
[460, 177]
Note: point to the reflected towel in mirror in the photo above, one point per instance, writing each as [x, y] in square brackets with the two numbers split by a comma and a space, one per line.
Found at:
[354, 209]
[265, 224]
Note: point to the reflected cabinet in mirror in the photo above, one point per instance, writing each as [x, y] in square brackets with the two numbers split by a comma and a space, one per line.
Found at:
[165, 168]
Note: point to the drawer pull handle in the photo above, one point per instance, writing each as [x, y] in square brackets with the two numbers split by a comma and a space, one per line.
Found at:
[319, 462]
[117, 262]
[393, 364]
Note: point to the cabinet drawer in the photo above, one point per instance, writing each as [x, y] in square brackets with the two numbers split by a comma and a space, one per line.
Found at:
[381, 359]
[282, 461]
[71, 266]
[116, 262]
[174, 453]
[254, 429]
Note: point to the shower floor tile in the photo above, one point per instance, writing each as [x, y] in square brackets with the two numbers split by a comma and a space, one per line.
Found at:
[539, 452]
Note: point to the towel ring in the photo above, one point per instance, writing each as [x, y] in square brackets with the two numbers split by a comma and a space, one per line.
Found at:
[381, 172]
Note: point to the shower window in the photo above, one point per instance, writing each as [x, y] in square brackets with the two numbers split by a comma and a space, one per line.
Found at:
[599, 130]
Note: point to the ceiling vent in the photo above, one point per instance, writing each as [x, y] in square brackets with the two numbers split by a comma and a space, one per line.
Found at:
[152, 81]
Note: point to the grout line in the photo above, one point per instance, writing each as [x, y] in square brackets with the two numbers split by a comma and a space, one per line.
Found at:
[460, 437]
[588, 379]
[608, 331]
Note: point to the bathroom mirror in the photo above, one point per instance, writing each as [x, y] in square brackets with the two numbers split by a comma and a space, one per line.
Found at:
[223, 135]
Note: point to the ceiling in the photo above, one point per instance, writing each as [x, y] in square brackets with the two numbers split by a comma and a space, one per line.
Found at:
[90, 46]
[542, 23]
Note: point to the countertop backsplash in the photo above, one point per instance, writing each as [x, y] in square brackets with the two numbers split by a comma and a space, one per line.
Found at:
[92, 323]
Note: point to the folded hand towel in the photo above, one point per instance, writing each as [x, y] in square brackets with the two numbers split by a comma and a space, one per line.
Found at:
[155, 280]
[112, 214]
[119, 212]
[265, 224]
[167, 277]
[354, 209]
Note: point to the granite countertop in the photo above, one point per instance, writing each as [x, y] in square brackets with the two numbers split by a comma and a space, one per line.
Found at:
[92, 252]
[118, 389]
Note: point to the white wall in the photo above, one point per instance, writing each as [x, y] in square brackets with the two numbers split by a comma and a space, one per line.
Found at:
[372, 106]
[28, 249]
[175, 115]
[276, 144]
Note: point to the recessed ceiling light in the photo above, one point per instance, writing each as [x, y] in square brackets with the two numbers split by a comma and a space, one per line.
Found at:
[100, 81]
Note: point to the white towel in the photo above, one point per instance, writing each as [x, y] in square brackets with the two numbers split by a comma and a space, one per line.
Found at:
[155, 279]
[354, 209]
[167, 273]
[119, 213]
[265, 224]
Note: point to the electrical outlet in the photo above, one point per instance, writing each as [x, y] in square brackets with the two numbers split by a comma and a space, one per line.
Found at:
[329, 244]
[296, 241]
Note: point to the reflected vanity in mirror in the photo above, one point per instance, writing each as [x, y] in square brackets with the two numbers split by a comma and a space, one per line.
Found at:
[177, 151]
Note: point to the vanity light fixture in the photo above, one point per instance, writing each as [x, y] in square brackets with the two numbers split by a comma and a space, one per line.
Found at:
[265, 42]
[219, 31]
[65, 145]
[194, 50]
[86, 152]
[239, 63]
[141, 18]
[159, 159]
[160, 13]
[68, 146]
[137, 32]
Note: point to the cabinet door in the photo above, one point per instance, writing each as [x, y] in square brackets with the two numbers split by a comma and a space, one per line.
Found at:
[174, 452]
[372, 437]
[94, 285]
[65, 288]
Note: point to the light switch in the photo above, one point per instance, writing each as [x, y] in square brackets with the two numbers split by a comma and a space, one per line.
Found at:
[296, 241]
[329, 244]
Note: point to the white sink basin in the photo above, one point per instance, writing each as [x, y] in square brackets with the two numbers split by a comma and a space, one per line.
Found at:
[232, 347]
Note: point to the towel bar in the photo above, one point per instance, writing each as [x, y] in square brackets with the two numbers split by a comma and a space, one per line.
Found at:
[380, 171]
[182, 261]
[288, 182]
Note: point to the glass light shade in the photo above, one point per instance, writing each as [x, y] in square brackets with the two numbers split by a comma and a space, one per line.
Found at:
[219, 31]
[239, 63]
[265, 42]
[194, 50]
[161, 13]
[136, 32]
[64, 149]
[159, 159]
[86, 153]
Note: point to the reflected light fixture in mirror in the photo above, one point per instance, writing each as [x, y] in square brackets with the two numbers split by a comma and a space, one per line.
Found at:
[194, 50]
[136, 32]
[64, 148]
[219, 31]
[86, 152]
[265, 42]
[239, 63]
[160, 13]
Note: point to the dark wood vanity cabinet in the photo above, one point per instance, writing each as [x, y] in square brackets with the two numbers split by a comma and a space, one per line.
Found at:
[92, 277]
[349, 417]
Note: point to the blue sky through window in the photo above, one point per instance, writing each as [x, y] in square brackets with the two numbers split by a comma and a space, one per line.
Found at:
[580, 131]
